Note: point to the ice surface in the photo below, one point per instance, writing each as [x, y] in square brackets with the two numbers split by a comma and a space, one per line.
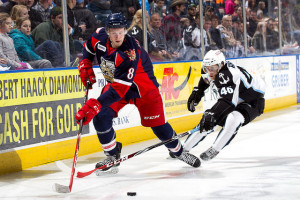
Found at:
[262, 162]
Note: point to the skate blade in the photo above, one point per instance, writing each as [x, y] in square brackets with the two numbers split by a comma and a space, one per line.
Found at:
[113, 170]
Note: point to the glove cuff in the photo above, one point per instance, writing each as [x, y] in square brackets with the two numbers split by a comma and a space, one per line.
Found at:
[94, 104]
[85, 64]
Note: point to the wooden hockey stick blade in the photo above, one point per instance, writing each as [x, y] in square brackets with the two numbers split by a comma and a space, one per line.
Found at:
[61, 188]
[84, 174]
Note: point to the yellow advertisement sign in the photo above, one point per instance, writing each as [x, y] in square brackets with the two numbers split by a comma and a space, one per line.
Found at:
[177, 81]
[39, 106]
[39, 86]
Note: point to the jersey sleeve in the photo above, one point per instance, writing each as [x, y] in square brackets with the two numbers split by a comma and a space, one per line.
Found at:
[89, 48]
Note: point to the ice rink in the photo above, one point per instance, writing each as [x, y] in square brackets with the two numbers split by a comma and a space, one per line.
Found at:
[262, 162]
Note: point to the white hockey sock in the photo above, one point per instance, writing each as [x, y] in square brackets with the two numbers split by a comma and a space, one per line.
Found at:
[194, 139]
[233, 121]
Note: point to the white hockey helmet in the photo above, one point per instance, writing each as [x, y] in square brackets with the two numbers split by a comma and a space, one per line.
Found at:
[213, 57]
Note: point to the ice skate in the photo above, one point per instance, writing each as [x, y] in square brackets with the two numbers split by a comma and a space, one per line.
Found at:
[110, 170]
[172, 156]
[189, 159]
[209, 154]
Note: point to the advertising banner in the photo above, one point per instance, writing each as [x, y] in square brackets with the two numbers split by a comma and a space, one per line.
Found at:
[38, 107]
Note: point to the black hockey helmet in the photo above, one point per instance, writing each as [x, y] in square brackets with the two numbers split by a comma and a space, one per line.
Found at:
[116, 20]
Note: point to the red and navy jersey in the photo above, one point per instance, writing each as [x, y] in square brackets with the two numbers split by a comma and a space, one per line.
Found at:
[128, 68]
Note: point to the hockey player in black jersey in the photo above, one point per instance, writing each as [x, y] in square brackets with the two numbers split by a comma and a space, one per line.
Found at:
[241, 99]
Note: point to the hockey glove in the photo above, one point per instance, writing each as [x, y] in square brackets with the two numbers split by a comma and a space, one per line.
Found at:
[88, 111]
[193, 100]
[86, 72]
[207, 122]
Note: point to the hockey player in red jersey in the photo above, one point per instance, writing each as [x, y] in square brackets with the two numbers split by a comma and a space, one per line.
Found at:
[129, 72]
[241, 99]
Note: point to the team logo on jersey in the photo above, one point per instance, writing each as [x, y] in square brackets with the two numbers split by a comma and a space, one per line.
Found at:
[101, 47]
[131, 54]
[223, 81]
[108, 69]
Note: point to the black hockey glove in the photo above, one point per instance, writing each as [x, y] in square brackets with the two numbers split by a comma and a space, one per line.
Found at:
[208, 121]
[194, 100]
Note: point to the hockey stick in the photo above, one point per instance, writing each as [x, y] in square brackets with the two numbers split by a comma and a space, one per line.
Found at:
[84, 174]
[67, 189]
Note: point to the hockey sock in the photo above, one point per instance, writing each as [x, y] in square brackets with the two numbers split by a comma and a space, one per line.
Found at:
[165, 132]
[233, 122]
[105, 132]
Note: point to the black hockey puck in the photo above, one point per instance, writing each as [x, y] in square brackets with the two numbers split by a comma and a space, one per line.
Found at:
[131, 193]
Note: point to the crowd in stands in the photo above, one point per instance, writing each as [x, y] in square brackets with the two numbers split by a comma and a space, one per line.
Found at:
[31, 31]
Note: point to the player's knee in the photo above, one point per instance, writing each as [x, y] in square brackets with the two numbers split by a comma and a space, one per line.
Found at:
[103, 120]
[233, 121]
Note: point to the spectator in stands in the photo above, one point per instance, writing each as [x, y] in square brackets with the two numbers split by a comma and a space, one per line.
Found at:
[18, 11]
[7, 6]
[272, 36]
[210, 3]
[229, 7]
[252, 23]
[156, 26]
[127, 7]
[260, 16]
[52, 30]
[251, 4]
[221, 8]
[172, 26]
[4, 66]
[209, 11]
[238, 12]
[233, 47]
[34, 16]
[136, 30]
[187, 33]
[7, 48]
[194, 52]
[158, 7]
[226, 30]
[43, 8]
[262, 6]
[86, 20]
[191, 14]
[259, 38]
[24, 44]
[207, 27]
[215, 33]
[101, 9]
[236, 21]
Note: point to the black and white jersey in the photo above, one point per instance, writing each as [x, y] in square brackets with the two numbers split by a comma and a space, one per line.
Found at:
[235, 85]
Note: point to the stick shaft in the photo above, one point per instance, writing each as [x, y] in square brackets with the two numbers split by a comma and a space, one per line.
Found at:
[78, 142]
[84, 174]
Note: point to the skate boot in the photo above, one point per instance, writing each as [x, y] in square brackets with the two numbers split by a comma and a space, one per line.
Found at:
[172, 155]
[113, 169]
[189, 159]
[209, 154]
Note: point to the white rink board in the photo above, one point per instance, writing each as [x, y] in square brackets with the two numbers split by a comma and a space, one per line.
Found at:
[279, 74]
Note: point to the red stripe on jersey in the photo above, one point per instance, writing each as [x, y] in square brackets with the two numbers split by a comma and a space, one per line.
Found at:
[142, 80]
[110, 50]
[94, 41]
[119, 60]
[121, 89]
